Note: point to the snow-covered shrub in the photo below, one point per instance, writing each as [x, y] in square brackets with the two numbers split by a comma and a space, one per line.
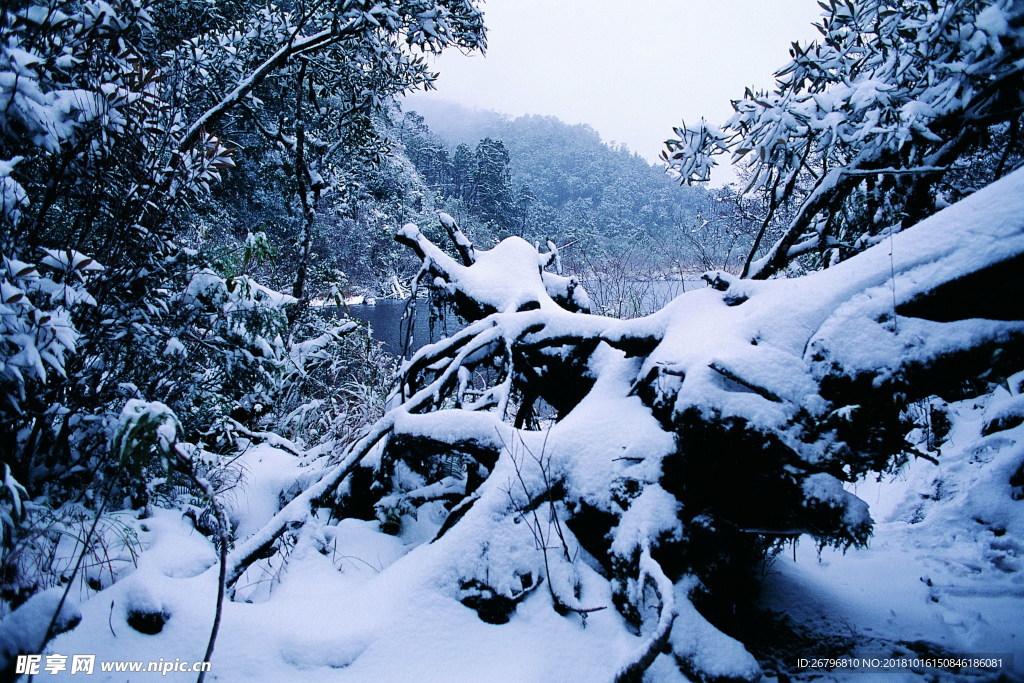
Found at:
[111, 130]
[145, 430]
[36, 330]
[334, 384]
[50, 543]
[11, 508]
[37, 335]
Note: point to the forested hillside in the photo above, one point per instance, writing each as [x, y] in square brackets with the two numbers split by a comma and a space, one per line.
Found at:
[563, 179]
[534, 177]
[810, 469]
[616, 218]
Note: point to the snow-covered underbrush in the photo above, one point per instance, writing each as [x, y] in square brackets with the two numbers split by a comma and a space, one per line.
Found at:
[349, 602]
[467, 536]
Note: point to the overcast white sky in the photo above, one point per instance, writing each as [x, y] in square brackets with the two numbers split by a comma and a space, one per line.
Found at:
[632, 70]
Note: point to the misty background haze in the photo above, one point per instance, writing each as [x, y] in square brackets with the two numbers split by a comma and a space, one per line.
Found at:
[632, 74]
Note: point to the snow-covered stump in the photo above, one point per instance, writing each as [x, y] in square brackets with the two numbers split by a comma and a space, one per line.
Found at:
[688, 443]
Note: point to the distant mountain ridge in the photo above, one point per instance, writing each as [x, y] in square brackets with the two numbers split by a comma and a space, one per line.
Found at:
[567, 146]
[597, 194]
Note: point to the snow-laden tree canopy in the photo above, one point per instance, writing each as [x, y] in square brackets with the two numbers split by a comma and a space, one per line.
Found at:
[114, 123]
[896, 110]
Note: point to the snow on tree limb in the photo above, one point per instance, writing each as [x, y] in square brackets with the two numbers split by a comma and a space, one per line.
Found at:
[733, 427]
[510, 276]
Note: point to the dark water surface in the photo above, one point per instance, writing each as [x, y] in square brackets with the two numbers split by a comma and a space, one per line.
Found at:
[388, 323]
[388, 318]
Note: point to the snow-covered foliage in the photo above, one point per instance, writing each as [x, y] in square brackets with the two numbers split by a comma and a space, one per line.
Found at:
[895, 109]
[37, 331]
[114, 125]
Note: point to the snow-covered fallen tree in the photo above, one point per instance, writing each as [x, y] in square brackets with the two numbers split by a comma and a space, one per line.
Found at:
[656, 461]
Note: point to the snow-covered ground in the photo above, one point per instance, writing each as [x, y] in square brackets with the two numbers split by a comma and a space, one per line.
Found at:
[944, 565]
[350, 603]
